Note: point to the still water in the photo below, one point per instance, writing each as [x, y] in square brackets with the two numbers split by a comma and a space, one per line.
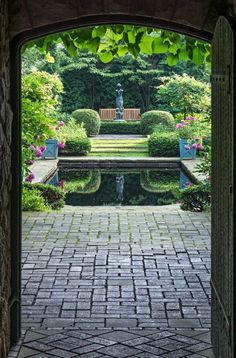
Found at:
[91, 187]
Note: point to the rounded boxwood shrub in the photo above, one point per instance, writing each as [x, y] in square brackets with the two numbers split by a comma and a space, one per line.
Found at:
[54, 197]
[150, 119]
[90, 119]
[163, 145]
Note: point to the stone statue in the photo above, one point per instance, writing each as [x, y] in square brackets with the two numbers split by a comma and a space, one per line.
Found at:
[120, 180]
[119, 103]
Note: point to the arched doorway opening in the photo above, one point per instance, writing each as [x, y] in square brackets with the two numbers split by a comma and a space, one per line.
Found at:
[16, 143]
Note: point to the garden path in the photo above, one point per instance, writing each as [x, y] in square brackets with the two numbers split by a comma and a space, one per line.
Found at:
[116, 282]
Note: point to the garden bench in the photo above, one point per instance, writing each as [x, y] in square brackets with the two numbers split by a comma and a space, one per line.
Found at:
[132, 114]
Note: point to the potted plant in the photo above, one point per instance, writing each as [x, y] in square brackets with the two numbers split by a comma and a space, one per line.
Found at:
[52, 145]
[189, 142]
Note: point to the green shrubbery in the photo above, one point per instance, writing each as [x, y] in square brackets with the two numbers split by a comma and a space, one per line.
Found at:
[112, 127]
[163, 145]
[151, 119]
[196, 197]
[79, 146]
[33, 200]
[53, 197]
[76, 138]
[89, 118]
[39, 110]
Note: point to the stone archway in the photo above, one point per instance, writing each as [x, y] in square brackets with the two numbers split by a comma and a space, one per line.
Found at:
[22, 21]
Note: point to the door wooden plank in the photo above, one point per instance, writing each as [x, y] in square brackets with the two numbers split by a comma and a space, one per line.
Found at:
[223, 118]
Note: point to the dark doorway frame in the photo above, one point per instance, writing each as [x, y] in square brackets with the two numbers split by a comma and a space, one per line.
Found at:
[15, 80]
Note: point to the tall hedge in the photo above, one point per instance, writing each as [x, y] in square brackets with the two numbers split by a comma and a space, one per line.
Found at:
[151, 119]
[90, 119]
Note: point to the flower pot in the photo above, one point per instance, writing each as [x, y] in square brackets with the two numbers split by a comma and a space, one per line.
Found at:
[186, 149]
[51, 151]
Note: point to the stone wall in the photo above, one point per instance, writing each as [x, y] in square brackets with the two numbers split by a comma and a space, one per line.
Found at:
[5, 181]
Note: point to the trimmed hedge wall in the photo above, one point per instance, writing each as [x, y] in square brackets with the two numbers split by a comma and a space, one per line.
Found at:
[112, 127]
[163, 145]
[78, 146]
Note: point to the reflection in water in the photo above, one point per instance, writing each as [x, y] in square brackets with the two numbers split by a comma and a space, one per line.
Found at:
[120, 180]
[147, 186]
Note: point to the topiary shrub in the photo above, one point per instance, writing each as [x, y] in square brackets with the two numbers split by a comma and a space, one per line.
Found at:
[78, 146]
[150, 119]
[33, 200]
[196, 197]
[90, 119]
[54, 197]
[113, 127]
[163, 145]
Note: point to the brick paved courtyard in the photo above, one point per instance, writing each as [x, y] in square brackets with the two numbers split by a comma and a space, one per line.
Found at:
[91, 275]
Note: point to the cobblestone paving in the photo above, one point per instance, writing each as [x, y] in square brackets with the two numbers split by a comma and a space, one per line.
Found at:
[94, 273]
[116, 343]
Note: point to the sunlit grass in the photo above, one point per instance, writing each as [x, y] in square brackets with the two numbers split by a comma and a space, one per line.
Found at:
[119, 147]
[119, 154]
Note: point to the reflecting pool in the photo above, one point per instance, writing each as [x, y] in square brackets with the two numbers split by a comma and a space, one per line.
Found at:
[91, 187]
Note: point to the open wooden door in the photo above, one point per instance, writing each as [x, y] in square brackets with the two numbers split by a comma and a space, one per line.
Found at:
[223, 189]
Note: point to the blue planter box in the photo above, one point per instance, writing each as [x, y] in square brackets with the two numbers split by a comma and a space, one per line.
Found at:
[51, 151]
[183, 180]
[187, 153]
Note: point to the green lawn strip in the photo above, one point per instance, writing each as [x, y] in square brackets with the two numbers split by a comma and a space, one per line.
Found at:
[118, 154]
[117, 142]
[120, 145]
[119, 150]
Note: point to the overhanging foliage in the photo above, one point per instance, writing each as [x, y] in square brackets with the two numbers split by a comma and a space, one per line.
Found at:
[118, 40]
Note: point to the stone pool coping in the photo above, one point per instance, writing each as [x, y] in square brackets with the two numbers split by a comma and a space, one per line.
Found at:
[44, 169]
